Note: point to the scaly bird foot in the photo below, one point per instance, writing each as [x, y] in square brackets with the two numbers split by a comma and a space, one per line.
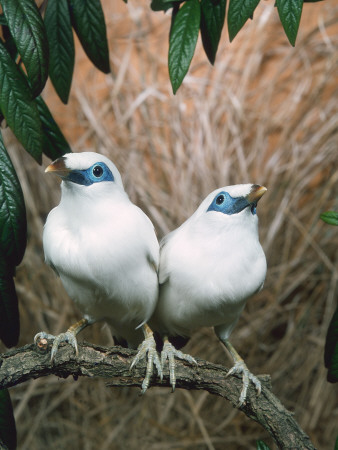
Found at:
[168, 353]
[148, 348]
[241, 368]
[68, 336]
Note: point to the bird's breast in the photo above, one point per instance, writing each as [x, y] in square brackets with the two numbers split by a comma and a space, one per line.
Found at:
[103, 264]
[208, 281]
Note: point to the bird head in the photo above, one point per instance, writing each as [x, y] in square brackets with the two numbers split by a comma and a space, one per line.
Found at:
[231, 206]
[232, 200]
[85, 169]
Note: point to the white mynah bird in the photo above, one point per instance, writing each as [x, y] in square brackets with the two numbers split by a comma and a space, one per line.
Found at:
[104, 249]
[209, 267]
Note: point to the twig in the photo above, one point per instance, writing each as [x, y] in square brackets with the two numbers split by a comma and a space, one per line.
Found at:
[22, 364]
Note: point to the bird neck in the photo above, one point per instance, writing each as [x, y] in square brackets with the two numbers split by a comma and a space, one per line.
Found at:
[96, 197]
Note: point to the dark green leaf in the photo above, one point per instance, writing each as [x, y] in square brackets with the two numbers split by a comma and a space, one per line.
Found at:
[163, 5]
[336, 444]
[238, 13]
[260, 445]
[212, 21]
[290, 12]
[330, 217]
[9, 43]
[3, 20]
[61, 46]
[331, 349]
[88, 22]
[18, 107]
[182, 41]
[54, 143]
[7, 421]
[13, 224]
[9, 311]
[27, 29]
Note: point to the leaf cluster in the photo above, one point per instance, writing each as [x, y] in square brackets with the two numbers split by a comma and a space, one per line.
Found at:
[208, 17]
[31, 49]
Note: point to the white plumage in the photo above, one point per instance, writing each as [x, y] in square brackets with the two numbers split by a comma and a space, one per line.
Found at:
[105, 250]
[209, 267]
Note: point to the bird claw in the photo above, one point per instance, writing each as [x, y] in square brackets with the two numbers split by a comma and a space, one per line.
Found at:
[68, 336]
[168, 353]
[148, 348]
[42, 335]
[241, 368]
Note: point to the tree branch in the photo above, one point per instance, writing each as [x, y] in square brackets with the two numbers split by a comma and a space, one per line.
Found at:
[20, 365]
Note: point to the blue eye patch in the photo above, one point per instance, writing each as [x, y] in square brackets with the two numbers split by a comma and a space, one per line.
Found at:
[224, 203]
[96, 173]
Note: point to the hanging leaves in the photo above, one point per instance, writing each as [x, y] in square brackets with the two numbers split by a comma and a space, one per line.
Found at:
[239, 12]
[17, 106]
[212, 21]
[29, 34]
[88, 22]
[61, 47]
[290, 12]
[182, 41]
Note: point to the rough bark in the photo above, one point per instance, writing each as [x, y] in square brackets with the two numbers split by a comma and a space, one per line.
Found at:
[22, 364]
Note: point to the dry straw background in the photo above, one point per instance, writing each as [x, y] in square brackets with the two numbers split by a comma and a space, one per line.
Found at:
[265, 113]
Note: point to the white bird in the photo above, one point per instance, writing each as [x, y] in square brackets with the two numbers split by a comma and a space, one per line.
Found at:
[209, 267]
[104, 249]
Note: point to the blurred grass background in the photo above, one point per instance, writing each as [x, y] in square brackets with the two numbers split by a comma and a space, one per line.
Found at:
[266, 113]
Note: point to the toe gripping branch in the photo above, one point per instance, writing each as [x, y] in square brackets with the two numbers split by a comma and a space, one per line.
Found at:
[169, 352]
[240, 367]
[148, 349]
[69, 336]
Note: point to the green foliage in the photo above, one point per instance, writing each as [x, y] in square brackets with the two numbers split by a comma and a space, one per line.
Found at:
[17, 106]
[9, 311]
[260, 445]
[182, 41]
[7, 423]
[13, 232]
[12, 211]
[331, 350]
[88, 22]
[239, 12]
[164, 5]
[185, 27]
[330, 217]
[331, 342]
[54, 144]
[290, 12]
[212, 21]
[61, 45]
[26, 27]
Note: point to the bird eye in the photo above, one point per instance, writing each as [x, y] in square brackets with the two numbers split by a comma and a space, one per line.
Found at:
[220, 199]
[97, 171]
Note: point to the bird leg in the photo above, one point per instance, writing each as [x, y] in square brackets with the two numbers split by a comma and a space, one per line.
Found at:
[169, 352]
[148, 347]
[241, 368]
[69, 336]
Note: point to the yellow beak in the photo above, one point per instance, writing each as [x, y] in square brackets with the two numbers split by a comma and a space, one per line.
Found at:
[256, 193]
